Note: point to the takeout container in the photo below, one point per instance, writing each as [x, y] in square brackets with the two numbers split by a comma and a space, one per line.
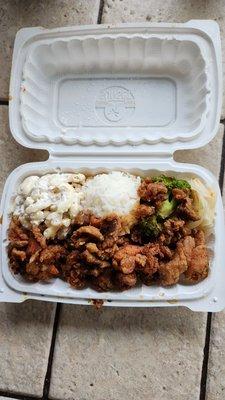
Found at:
[123, 97]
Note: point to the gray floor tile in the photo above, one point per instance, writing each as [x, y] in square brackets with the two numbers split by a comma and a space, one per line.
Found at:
[26, 331]
[16, 14]
[128, 354]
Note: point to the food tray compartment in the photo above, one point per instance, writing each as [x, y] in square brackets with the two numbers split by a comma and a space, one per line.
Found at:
[58, 288]
[75, 89]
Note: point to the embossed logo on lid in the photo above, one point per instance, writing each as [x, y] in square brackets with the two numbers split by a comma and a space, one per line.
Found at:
[117, 102]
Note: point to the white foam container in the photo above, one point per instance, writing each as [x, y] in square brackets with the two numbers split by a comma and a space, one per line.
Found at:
[101, 98]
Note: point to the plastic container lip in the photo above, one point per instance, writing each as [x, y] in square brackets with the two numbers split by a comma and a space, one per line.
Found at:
[131, 155]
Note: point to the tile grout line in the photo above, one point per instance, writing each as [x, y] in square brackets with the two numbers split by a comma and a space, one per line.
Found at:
[100, 11]
[47, 381]
[222, 164]
[204, 375]
[17, 396]
[205, 358]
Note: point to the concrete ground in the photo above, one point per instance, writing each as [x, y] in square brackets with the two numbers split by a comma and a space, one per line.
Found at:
[67, 352]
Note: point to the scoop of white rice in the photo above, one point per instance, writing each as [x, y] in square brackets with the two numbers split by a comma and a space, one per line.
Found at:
[108, 193]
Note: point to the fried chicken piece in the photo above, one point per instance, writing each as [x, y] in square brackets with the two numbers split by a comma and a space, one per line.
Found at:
[166, 252]
[197, 258]
[39, 236]
[17, 234]
[173, 231]
[87, 231]
[72, 258]
[80, 243]
[172, 226]
[17, 258]
[89, 258]
[36, 271]
[169, 272]
[102, 252]
[94, 272]
[103, 282]
[34, 257]
[108, 243]
[127, 264]
[180, 194]
[143, 211]
[125, 258]
[109, 251]
[52, 253]
[122, 241]
[150, 279]
[147, 263]
[95, 256]
[111, 225]
[95, 221]
[33, 247]
[140, 261]
[186, 209]
[15, 265]
[76, 280]
[111, 229]
[152, 192]
[136, 235]
[32, 269]
[73, 270]
[188, 247]
[52, 270]
[185, 230]
[82, 219]
[125, 281]
[16, 231]
[154, 252]
[93, 249]
[151, 248]
[150, 267]
[19, 255]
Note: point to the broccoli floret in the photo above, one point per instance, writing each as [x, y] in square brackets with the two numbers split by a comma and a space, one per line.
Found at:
[171, 182]
[167, 208]
[150, 227]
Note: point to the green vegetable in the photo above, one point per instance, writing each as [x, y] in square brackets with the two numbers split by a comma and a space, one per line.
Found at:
[150, 227]
[171, 182]
[167, 208]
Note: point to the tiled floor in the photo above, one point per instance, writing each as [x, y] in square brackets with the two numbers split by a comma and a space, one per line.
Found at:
[78, 353]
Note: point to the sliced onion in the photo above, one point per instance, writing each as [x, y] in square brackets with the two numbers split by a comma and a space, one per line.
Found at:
[204, 200]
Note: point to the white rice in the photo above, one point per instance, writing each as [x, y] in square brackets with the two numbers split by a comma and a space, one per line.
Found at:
[108, 193]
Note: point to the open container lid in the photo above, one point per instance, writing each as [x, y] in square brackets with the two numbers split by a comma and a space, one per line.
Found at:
[130, 89]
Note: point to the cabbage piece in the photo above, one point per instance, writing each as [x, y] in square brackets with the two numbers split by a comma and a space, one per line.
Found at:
[204, 200]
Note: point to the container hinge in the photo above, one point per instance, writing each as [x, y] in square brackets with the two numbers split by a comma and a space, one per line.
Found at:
[109, 156]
